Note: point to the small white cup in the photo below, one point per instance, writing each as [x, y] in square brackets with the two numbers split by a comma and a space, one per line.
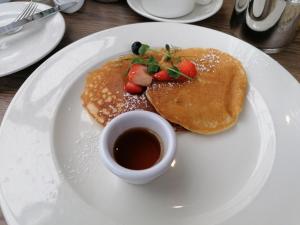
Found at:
[171, 8]
[138, 119]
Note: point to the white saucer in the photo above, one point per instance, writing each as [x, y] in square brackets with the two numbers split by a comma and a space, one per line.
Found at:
[35, 41]
[200, 12]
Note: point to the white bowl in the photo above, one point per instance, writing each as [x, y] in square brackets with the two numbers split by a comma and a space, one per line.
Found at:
[135, 119]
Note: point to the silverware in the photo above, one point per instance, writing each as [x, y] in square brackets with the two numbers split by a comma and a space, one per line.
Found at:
[27, 11]
[37, 16]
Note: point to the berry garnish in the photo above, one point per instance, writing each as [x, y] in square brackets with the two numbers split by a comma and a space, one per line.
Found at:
[188, 68]
[135, 47]
[162, 76]
[138, 75]
[138, 48]
[176, 74]
[168, 68]
[133, 88]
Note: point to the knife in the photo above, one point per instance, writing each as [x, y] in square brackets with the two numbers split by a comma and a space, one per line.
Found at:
[43, 14]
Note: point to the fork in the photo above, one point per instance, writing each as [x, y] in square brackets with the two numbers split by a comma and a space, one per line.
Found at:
[27, 11]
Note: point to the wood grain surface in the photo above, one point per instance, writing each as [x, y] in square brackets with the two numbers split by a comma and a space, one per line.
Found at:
[95, 16]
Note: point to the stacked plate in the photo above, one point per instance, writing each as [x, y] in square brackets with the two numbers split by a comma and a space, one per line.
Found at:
[26, 47]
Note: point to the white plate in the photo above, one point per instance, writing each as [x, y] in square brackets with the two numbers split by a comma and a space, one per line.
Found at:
[50, 170]
[32, 43]
[199, 13]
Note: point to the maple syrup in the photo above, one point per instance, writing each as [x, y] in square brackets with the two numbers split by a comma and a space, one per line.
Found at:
[137, 149]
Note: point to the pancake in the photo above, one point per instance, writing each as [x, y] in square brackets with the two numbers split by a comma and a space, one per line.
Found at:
[104, 97]
[211, 102]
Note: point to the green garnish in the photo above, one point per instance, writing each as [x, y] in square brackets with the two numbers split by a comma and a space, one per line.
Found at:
[151, 60]
[168, 55]
[153, 65]
[153, 68]
[175, 73]
[168, 47]
[143, 49]
[138, 61]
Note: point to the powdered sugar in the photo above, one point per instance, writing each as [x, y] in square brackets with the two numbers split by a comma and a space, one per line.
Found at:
[208, 62]
[133, 102]
[169, 84]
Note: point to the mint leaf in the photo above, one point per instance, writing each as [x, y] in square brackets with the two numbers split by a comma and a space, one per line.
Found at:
[174, 72]
[152, 64]
[143, 49]
[138, 61]
[153, 68]
[151, 60]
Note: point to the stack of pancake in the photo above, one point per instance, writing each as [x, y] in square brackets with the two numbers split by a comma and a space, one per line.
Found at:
[208, 104]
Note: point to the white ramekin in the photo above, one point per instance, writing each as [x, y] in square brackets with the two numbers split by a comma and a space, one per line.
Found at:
[135, 119]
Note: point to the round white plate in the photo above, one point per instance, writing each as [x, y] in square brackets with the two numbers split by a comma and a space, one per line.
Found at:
[32, 43]
[50, 169]
[199, 13]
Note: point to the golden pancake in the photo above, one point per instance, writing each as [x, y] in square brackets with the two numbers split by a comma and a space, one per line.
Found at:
[104, 97]
[209, 103]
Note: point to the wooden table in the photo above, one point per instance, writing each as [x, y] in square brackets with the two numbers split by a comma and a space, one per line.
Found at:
[96, 16]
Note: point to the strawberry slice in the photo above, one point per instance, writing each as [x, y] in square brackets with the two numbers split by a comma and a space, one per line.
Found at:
[188, 68]
[138, 75]
[162, 76]
[133, 88]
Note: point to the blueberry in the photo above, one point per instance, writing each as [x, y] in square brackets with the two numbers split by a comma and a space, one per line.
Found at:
[135, 47]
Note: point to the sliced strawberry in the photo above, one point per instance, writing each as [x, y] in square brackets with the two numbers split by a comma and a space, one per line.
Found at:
[138, 75]
[188, 68]
[182, 78]
[133, 88]
[162, 76]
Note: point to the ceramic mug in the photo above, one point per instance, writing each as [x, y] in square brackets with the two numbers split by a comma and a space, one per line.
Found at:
[171, 8]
